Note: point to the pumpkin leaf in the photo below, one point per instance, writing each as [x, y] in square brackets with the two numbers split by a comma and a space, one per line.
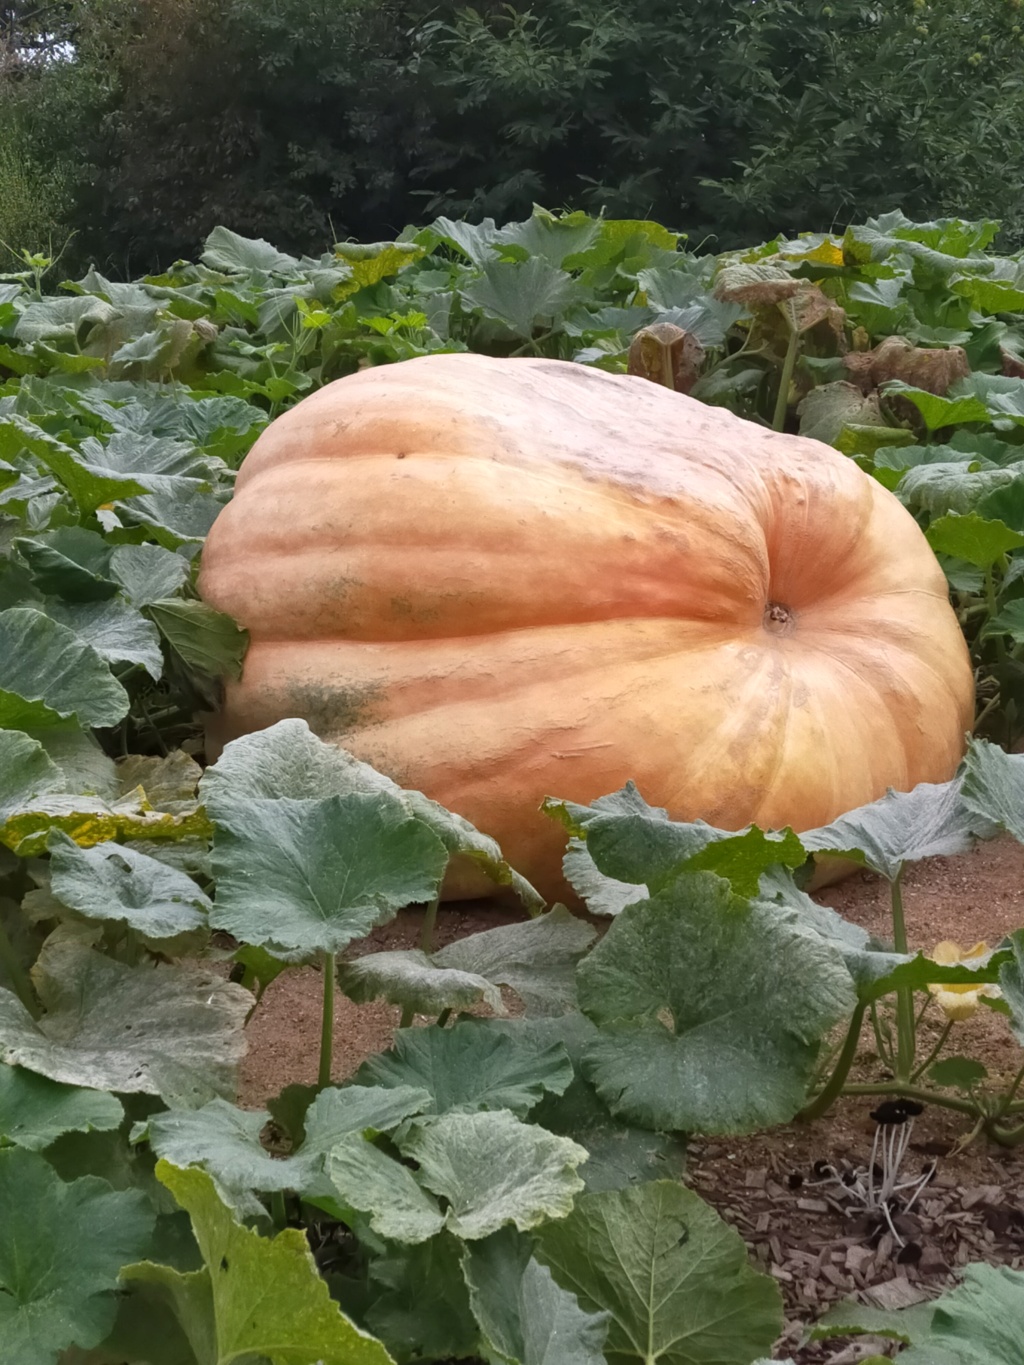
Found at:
[206, 639]
[61, 1249]
[973, 538]
[674, 1277]
[522, 295]
[112, 882]
[423, 1311]
[931, 820]
[525, 1316]
[225, 1140]
[637, 844]
[710, 1010]
[116, 631]
[147, 573]
[47, 675]
[492, 1169]
[169, 1031]
[412, 979]
[307, 876]
[993, 787]
[470, 1067]
[288, 760]
[537, 959]
[620, 1153]
[256, 1296]
[35, 1111]
[602, 895]
[973, 1324]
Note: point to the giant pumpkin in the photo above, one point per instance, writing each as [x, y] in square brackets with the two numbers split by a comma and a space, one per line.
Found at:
[498, 580]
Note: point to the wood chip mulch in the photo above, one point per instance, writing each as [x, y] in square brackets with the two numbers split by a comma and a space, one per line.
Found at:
[821, 1245]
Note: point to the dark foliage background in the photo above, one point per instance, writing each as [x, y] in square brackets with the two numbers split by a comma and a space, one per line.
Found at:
[140, 124]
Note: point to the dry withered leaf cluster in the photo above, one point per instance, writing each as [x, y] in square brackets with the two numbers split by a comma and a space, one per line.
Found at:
[898, 358]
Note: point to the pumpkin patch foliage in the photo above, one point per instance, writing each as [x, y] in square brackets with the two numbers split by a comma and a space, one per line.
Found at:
[506, 1183]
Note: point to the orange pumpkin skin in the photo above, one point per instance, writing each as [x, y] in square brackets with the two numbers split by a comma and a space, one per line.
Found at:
[499, 580]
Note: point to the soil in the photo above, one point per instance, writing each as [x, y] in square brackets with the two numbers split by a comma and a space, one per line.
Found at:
[801, 1226]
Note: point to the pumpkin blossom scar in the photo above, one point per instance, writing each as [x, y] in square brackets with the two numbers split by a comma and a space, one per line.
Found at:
[959, 1001]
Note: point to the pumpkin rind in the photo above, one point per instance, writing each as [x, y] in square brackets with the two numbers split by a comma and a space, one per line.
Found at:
[499, 580]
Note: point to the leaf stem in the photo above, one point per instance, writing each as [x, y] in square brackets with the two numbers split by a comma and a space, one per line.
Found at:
[920, 1070]
[831, 1091]
[429, 921]
[1007, 1100]
[905, 1033]
[788, 366]
[278, 1212]
[327, 1023]
[913, 1092]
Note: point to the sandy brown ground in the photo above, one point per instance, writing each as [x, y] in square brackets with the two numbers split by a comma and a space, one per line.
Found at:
[807, 1234]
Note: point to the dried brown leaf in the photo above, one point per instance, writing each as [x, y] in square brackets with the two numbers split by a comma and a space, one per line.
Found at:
[666, 354]
[925, 367]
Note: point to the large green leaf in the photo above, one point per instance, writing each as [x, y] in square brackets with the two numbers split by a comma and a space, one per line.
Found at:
[993, 786]
[69, 562]
[620, 1153]
[148, 573]
[526, 1317]
[976, 1323]
[116, 631]
[537, 959]
[492, 1169]
[931, 820]
[61, 1248]
[410, 978]
[522, 296]
[634, 843]
[973, 538]
[113, 882]
[257, 1297]
[35, 1111]
[471, 1067]
[169, 1031]
[288, 760]
[710, 1009]
[226, 250]
[26, 771]
[308, 876]
[225, 1140]
[363, 1177]
[423, 1311]
[671, 1273]
[207, 640]
[47, 674]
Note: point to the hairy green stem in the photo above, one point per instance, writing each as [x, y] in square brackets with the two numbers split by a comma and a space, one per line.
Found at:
[1006, 1137]
[19, 978]
[831, 1091]
[788, 366]
[1007, 1102]
[881, 1043]
[327, 1023]
[905, 1033]
[913, 1092]
[407, 1017]
[429, 921]
[278, 1212]
[920, 1070]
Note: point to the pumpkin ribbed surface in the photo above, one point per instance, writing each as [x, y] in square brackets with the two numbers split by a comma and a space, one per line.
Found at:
[498, 580]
